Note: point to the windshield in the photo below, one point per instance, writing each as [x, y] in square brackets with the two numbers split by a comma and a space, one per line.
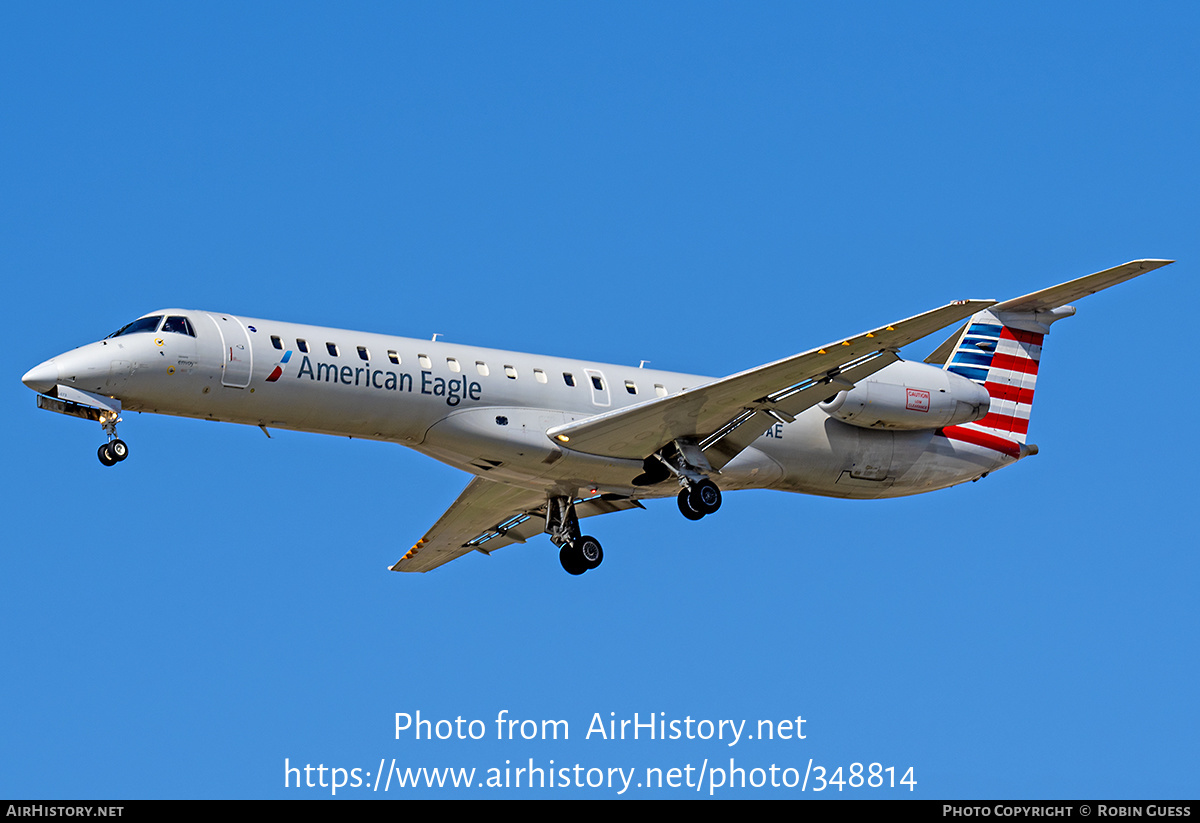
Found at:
[179, 325]
[141, 324]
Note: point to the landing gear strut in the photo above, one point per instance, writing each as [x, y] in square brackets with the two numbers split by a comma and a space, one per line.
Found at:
[577, 553]
[115, 450]
[698, 495]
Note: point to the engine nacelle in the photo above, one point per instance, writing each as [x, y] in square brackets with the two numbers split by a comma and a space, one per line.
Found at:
[909, 396]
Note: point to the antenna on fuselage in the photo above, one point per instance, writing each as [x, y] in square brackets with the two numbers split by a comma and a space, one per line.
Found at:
[436, 334]
[642, 364]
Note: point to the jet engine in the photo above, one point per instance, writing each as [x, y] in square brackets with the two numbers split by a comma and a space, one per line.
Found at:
[909, 396]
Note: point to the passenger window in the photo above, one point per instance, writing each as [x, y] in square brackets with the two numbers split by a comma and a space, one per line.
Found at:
[363, 354]
[569, 378]
[275, 341]
[332, 348]
[302, 345]
[424, 360]
[660, 390]
[597, 382]
[481, 367]
[179, 325]
[453, 364]
[630, 387]
[539, 375]
[395, 358]
[511, 372]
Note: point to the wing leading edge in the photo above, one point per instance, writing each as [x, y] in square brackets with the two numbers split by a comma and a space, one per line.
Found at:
[726, 415]
[490, 515]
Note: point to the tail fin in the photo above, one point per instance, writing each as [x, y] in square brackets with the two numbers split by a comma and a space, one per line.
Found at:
[1001, 352]
[1000, 348]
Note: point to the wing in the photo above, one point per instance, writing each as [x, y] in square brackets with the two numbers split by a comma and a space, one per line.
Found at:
[490, 515]
[727, 415]
[1077, 289]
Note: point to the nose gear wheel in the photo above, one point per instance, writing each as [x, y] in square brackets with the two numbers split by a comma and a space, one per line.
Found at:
[115, 450]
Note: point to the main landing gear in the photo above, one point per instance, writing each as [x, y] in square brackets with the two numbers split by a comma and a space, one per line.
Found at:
[685, 460]
[115, 450]
[699, 499]
[577, 553]
[581, 555]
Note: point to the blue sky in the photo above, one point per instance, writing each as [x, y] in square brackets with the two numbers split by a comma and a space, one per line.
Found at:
[704, 186]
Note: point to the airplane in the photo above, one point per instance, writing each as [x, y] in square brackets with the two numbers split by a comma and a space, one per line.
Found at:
[553, 440]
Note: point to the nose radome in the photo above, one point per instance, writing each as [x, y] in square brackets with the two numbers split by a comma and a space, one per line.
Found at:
[42, 378]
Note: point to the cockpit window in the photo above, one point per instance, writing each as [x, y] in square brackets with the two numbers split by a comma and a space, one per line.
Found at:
[179, 325]
[142, 324]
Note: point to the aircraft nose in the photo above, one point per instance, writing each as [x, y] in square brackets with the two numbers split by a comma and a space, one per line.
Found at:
[42, 378]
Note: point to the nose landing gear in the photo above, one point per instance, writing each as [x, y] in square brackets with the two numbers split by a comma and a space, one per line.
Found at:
[115, 450]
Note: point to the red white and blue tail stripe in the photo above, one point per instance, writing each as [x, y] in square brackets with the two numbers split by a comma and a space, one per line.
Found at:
[1004, 360]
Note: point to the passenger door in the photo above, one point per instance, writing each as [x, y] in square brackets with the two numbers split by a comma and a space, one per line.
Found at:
[238, 356]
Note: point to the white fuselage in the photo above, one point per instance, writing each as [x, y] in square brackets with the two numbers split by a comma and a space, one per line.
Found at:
[487, 411]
